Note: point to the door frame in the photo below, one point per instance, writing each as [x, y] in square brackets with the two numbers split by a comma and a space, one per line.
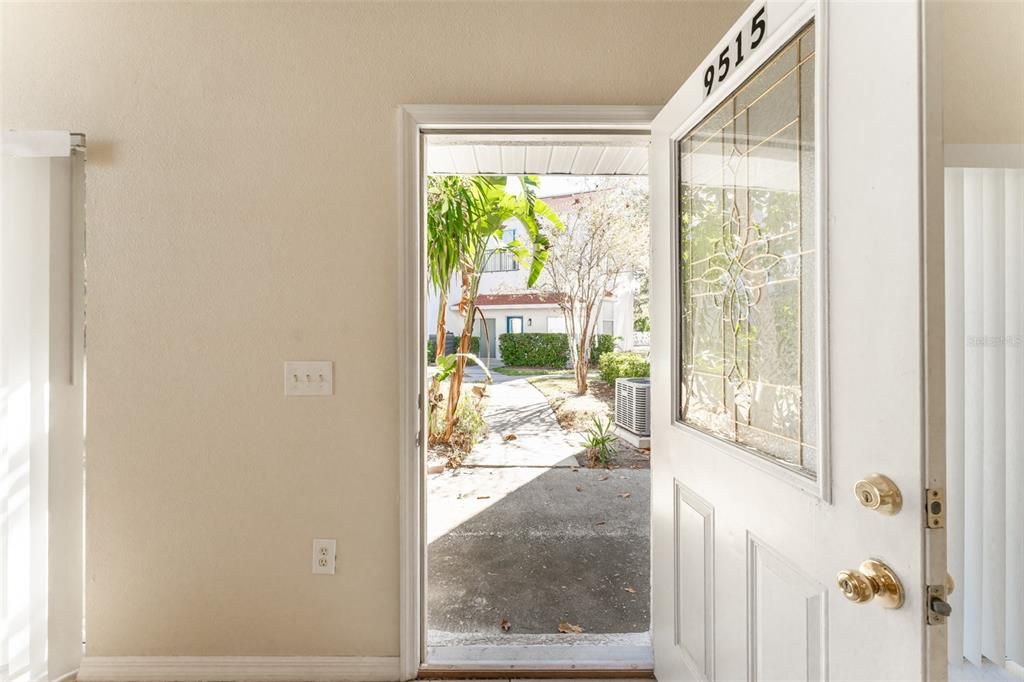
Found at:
[413, 122]
[508, 324]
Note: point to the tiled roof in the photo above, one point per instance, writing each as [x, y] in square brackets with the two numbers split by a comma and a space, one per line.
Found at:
[519, 299]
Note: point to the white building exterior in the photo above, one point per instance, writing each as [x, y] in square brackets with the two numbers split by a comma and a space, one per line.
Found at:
[510, 307]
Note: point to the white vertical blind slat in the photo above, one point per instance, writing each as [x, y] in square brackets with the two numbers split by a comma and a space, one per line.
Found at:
[1014, 485]
[993, 587]
[954, 208]
[973, 410]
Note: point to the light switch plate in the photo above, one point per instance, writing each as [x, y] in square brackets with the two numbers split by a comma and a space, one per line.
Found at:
[308, 377]
[325, 553]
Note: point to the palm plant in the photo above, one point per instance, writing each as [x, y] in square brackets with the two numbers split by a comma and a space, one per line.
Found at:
[467, 216]
[452, 207]
[600, 442]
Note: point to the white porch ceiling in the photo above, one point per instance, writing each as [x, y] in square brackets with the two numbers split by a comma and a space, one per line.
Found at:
[536, 155]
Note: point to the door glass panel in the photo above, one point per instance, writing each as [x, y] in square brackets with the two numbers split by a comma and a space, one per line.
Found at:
[748, 252]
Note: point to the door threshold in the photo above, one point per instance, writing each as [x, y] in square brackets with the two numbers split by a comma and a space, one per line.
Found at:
[428, 673]
[541, 656]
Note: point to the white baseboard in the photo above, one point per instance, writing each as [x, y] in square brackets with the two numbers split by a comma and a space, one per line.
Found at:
[239, 669]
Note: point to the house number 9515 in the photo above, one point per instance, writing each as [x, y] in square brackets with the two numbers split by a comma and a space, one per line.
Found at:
[735, 52]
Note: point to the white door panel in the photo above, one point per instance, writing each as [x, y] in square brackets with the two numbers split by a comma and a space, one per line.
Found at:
[746, 550]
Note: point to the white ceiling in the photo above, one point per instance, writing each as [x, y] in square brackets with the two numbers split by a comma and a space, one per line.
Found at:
[536, 154]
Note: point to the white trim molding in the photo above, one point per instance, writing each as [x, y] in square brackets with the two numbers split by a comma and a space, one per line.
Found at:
[984, 155]
[413, 120]
[247, 668]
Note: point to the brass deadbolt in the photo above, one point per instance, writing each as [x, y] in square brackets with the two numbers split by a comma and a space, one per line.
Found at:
[878, 492]
[874, 580]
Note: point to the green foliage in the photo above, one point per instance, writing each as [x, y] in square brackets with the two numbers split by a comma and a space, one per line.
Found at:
[603, 343]
[535, 350]
[641, 324]
[614, 366]
[474, 345]
[446, 365]
[465, 215]
[452, 207]
[600, 442]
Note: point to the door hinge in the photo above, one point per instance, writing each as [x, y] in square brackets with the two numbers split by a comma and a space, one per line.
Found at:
[935, 507]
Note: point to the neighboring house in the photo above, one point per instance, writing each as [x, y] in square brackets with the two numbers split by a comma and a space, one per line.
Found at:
[510, 307]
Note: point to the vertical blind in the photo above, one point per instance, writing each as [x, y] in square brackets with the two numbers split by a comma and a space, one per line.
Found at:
[985, 407]
[41, 414]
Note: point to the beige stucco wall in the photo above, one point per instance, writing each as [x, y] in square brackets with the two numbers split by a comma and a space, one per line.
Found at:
[983, 69]
[241, 211]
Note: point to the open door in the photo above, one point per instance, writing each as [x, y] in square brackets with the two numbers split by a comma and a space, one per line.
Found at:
[787, 355]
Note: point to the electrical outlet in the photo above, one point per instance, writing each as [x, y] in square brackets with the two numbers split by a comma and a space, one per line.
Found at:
[325, 552]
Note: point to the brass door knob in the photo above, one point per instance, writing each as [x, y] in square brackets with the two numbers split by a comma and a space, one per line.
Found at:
[873, 580]
[878, 492]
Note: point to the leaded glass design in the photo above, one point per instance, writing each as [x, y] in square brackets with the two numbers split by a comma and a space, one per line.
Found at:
[748, 360]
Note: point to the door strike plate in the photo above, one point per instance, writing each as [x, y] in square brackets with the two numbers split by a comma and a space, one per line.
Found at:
[935, 507]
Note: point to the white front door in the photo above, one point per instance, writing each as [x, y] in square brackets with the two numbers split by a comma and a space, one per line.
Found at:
[786, 306]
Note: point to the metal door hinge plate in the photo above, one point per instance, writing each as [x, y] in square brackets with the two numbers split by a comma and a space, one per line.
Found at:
[935, 507]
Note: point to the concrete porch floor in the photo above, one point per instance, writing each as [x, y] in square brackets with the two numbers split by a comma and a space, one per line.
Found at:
[522, 533]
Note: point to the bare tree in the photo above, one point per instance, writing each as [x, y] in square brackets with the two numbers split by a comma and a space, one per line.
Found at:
[605, 240]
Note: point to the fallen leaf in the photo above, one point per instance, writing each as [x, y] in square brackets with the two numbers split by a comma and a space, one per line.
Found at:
[505, 625]
[483, 497]
[579, 488]
[510, 436]
[625, 494]
[603, 478]
[569, 629]
[631, 590]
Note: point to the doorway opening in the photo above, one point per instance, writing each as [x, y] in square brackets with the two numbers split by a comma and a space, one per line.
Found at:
[536, 499]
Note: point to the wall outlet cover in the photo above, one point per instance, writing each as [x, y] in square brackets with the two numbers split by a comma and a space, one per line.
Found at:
[325, 555]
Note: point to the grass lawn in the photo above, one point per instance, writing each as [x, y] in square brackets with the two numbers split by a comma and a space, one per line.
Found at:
[530, 371]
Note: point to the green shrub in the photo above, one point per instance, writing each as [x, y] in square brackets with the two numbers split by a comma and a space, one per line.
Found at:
[474, 345]
[535, 350]
[614, 366]
[603, 343]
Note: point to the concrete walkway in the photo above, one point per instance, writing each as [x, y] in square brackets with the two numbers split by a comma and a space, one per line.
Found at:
[522, 533]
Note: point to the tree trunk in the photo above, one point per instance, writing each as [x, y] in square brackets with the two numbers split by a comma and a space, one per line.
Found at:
[583, 349]
[468, 309]
[442, 331]
[582, 364]
[455, 388]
